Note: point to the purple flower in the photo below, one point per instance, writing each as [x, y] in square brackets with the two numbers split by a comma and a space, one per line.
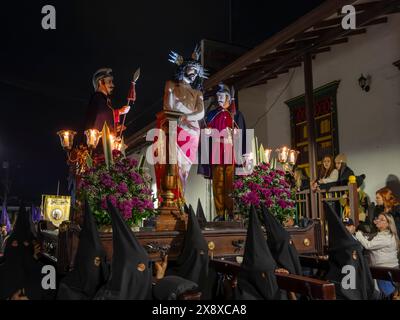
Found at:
[272, 174]
[148, 204]
[136, 178]
[113, 200]
[251, 198]
[265, 192]
[280, 172]
[275, 191]
[133, 162]
[282, 203]
[122, 187]
[238, 184]
[267, 180]
[107, 181]
[127, 213]
[268, 203]
[147, 191]
[254, 186]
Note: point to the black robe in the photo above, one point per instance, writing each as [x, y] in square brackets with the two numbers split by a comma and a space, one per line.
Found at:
[201, 218]
[281, 244]
[99, 111]
[256, 279]
[131, 273]
[91, 269]
[193, 262]
[20, 269]
[345, 250]
[171, 287]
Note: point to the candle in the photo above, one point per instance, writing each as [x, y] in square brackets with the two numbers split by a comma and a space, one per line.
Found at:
[283, 153]
[293, 157]
[92, 137]
[66, 138]
[268, 153]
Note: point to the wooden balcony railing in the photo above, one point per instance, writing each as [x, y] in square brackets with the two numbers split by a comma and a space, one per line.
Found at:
[333, 196]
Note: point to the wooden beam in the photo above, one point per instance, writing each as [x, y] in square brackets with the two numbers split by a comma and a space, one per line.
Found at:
[337, 22]
[263, 63]
[326, 9]
[301, 44]
[241, 82]
[320, 32]
[362, 19]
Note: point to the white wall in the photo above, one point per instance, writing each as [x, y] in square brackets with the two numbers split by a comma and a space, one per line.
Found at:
[369, 130]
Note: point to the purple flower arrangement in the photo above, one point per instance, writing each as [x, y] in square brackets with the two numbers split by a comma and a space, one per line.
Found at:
[127, 187]
[268, 186]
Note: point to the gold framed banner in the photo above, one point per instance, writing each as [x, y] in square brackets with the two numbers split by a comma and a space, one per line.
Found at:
[56, 209]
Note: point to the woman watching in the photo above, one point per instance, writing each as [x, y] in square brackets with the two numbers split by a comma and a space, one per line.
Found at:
[383, 249]
[344, 171]
[327, 173]
[386, 200]
[301, 181]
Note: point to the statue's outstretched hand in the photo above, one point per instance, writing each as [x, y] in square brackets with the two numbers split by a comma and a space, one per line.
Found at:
[124, 110]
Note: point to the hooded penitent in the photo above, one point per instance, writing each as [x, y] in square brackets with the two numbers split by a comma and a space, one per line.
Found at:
[91, 269]
[344, 250]
[257, 280]
[131, 274]
[201, 218]
[193, 262]
[12, 270]
[171, 287]
[21, 270]
[281, 244]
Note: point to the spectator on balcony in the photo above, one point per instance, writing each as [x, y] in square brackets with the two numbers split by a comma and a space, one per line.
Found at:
[387, 203]
[383, 249]
[327, 173]
[300, 180]
[344, 171]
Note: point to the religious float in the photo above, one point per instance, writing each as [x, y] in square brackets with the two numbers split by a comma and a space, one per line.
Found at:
[125, 181]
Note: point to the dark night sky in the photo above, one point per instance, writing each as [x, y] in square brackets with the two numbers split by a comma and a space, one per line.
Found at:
[45, 77]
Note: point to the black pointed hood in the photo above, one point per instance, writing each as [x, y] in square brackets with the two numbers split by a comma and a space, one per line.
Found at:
[131, 274]
[21, 269]
[185, 208]
[344, 250]
[22, 228]
[20, 242]
[257, 278]
[91, 269]
[201, 218]
[281, 244]
[193, 262]
[338, 237]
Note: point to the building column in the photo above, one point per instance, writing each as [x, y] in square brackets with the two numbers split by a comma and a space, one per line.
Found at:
[312, 146]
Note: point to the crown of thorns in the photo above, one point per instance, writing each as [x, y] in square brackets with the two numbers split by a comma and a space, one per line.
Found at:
[177, 59]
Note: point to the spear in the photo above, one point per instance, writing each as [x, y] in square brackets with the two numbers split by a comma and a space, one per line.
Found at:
[131, 95]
